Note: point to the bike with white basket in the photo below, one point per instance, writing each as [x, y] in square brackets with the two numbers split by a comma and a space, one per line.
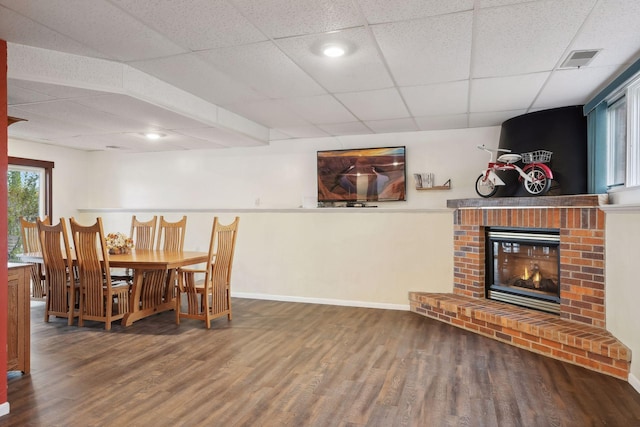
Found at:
[535, 175]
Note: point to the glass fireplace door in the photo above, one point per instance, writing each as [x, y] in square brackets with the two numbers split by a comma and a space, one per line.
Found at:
[524, 268]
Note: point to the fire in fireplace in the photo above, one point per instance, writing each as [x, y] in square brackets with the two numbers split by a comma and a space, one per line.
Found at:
[523, 267]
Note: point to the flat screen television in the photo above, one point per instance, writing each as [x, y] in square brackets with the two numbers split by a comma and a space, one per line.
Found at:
[362, 175]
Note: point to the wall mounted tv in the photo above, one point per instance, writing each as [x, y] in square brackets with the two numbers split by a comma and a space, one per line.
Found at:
[362, 175]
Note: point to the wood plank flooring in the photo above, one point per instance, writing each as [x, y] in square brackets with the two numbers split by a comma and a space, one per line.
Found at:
[292, 364]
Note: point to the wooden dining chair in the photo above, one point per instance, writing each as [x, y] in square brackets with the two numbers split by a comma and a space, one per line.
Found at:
[171, 235]
[31, 243]
[210, 298]
[143, 233]
[61, 287]
[101, 299]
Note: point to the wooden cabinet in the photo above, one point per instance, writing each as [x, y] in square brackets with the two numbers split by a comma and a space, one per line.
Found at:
[18, 318]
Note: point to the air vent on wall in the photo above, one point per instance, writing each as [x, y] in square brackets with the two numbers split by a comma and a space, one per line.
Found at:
[579, 58]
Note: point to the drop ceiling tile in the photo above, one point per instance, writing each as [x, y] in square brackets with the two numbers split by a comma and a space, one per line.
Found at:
[493, 118]
[195, 24]
[437, 99]
[145, 114]
[99, 25]
[85, 143]
[612, 27]
[573, 87]
[319, 109]
[134, 143]
[189, 143]
[429, 50]
[454, 121]
[22, 30]
[264, 66]
[19, 95]
[191, 73]
[284, 18]
[505, 93]
[375, 104]
[276, 135]
[393, 125]
[497, 3]
[52, 91]
[300, 132]
[379, 11]
[352, 128]
[71, 112]
[269, 113]
[525, 38]
[221, 137]
[42, 127]
[361, 69]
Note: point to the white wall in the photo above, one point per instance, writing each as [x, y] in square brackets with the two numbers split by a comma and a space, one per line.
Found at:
[623, 279]
[369, 257]
[279, 175]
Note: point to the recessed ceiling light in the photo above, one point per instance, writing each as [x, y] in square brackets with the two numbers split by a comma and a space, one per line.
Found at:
[334, 51]
[333, 47]
[154, 135]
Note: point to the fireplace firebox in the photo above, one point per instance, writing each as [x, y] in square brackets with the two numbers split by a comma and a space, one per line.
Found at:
[523, 267]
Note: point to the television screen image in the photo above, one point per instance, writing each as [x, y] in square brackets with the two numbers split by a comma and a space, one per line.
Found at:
[362, 175]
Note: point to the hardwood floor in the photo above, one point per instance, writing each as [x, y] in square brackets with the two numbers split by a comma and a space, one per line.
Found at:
[295, 364]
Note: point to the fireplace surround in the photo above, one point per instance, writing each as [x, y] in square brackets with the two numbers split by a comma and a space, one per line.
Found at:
[580, 224]
[577, 333]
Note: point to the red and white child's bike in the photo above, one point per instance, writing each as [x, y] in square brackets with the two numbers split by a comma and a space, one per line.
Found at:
[535, 175]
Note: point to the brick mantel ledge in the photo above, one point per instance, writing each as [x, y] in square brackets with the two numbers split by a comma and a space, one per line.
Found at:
[588, 346]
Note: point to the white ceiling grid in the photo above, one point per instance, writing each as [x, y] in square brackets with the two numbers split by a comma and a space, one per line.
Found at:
[224, 73]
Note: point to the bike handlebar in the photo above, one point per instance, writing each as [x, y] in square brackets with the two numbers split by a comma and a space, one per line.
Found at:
[482, 147]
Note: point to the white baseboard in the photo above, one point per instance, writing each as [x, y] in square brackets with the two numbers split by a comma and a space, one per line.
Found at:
[4, 408]
[327, 301]
[635, 382]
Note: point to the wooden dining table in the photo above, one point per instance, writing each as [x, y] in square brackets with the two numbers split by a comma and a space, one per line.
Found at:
[154, 275]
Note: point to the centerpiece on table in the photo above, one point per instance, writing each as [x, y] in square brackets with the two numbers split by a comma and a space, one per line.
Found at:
[118, 243]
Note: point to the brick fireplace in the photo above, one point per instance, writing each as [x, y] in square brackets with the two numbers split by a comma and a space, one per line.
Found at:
[577, 334]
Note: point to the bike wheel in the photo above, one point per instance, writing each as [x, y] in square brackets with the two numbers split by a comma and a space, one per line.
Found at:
[484, 187]
[539, 183]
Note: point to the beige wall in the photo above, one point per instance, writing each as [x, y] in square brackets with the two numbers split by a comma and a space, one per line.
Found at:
[344, 258]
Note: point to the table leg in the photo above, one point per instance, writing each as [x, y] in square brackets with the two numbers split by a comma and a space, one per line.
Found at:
[147, 295]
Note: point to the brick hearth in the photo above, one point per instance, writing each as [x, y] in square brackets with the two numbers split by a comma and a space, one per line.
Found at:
[578, 335]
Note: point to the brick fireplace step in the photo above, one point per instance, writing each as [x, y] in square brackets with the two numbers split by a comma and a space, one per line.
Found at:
[577, 343]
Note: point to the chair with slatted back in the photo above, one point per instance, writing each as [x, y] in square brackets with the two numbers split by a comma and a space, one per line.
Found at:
[143, 233]
[101, 299]
[170, 239]
[171, 235]
[210, 298]
[31, 244]
[61, 286]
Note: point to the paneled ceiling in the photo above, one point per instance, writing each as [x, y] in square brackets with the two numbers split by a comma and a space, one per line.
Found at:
[92, 74]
